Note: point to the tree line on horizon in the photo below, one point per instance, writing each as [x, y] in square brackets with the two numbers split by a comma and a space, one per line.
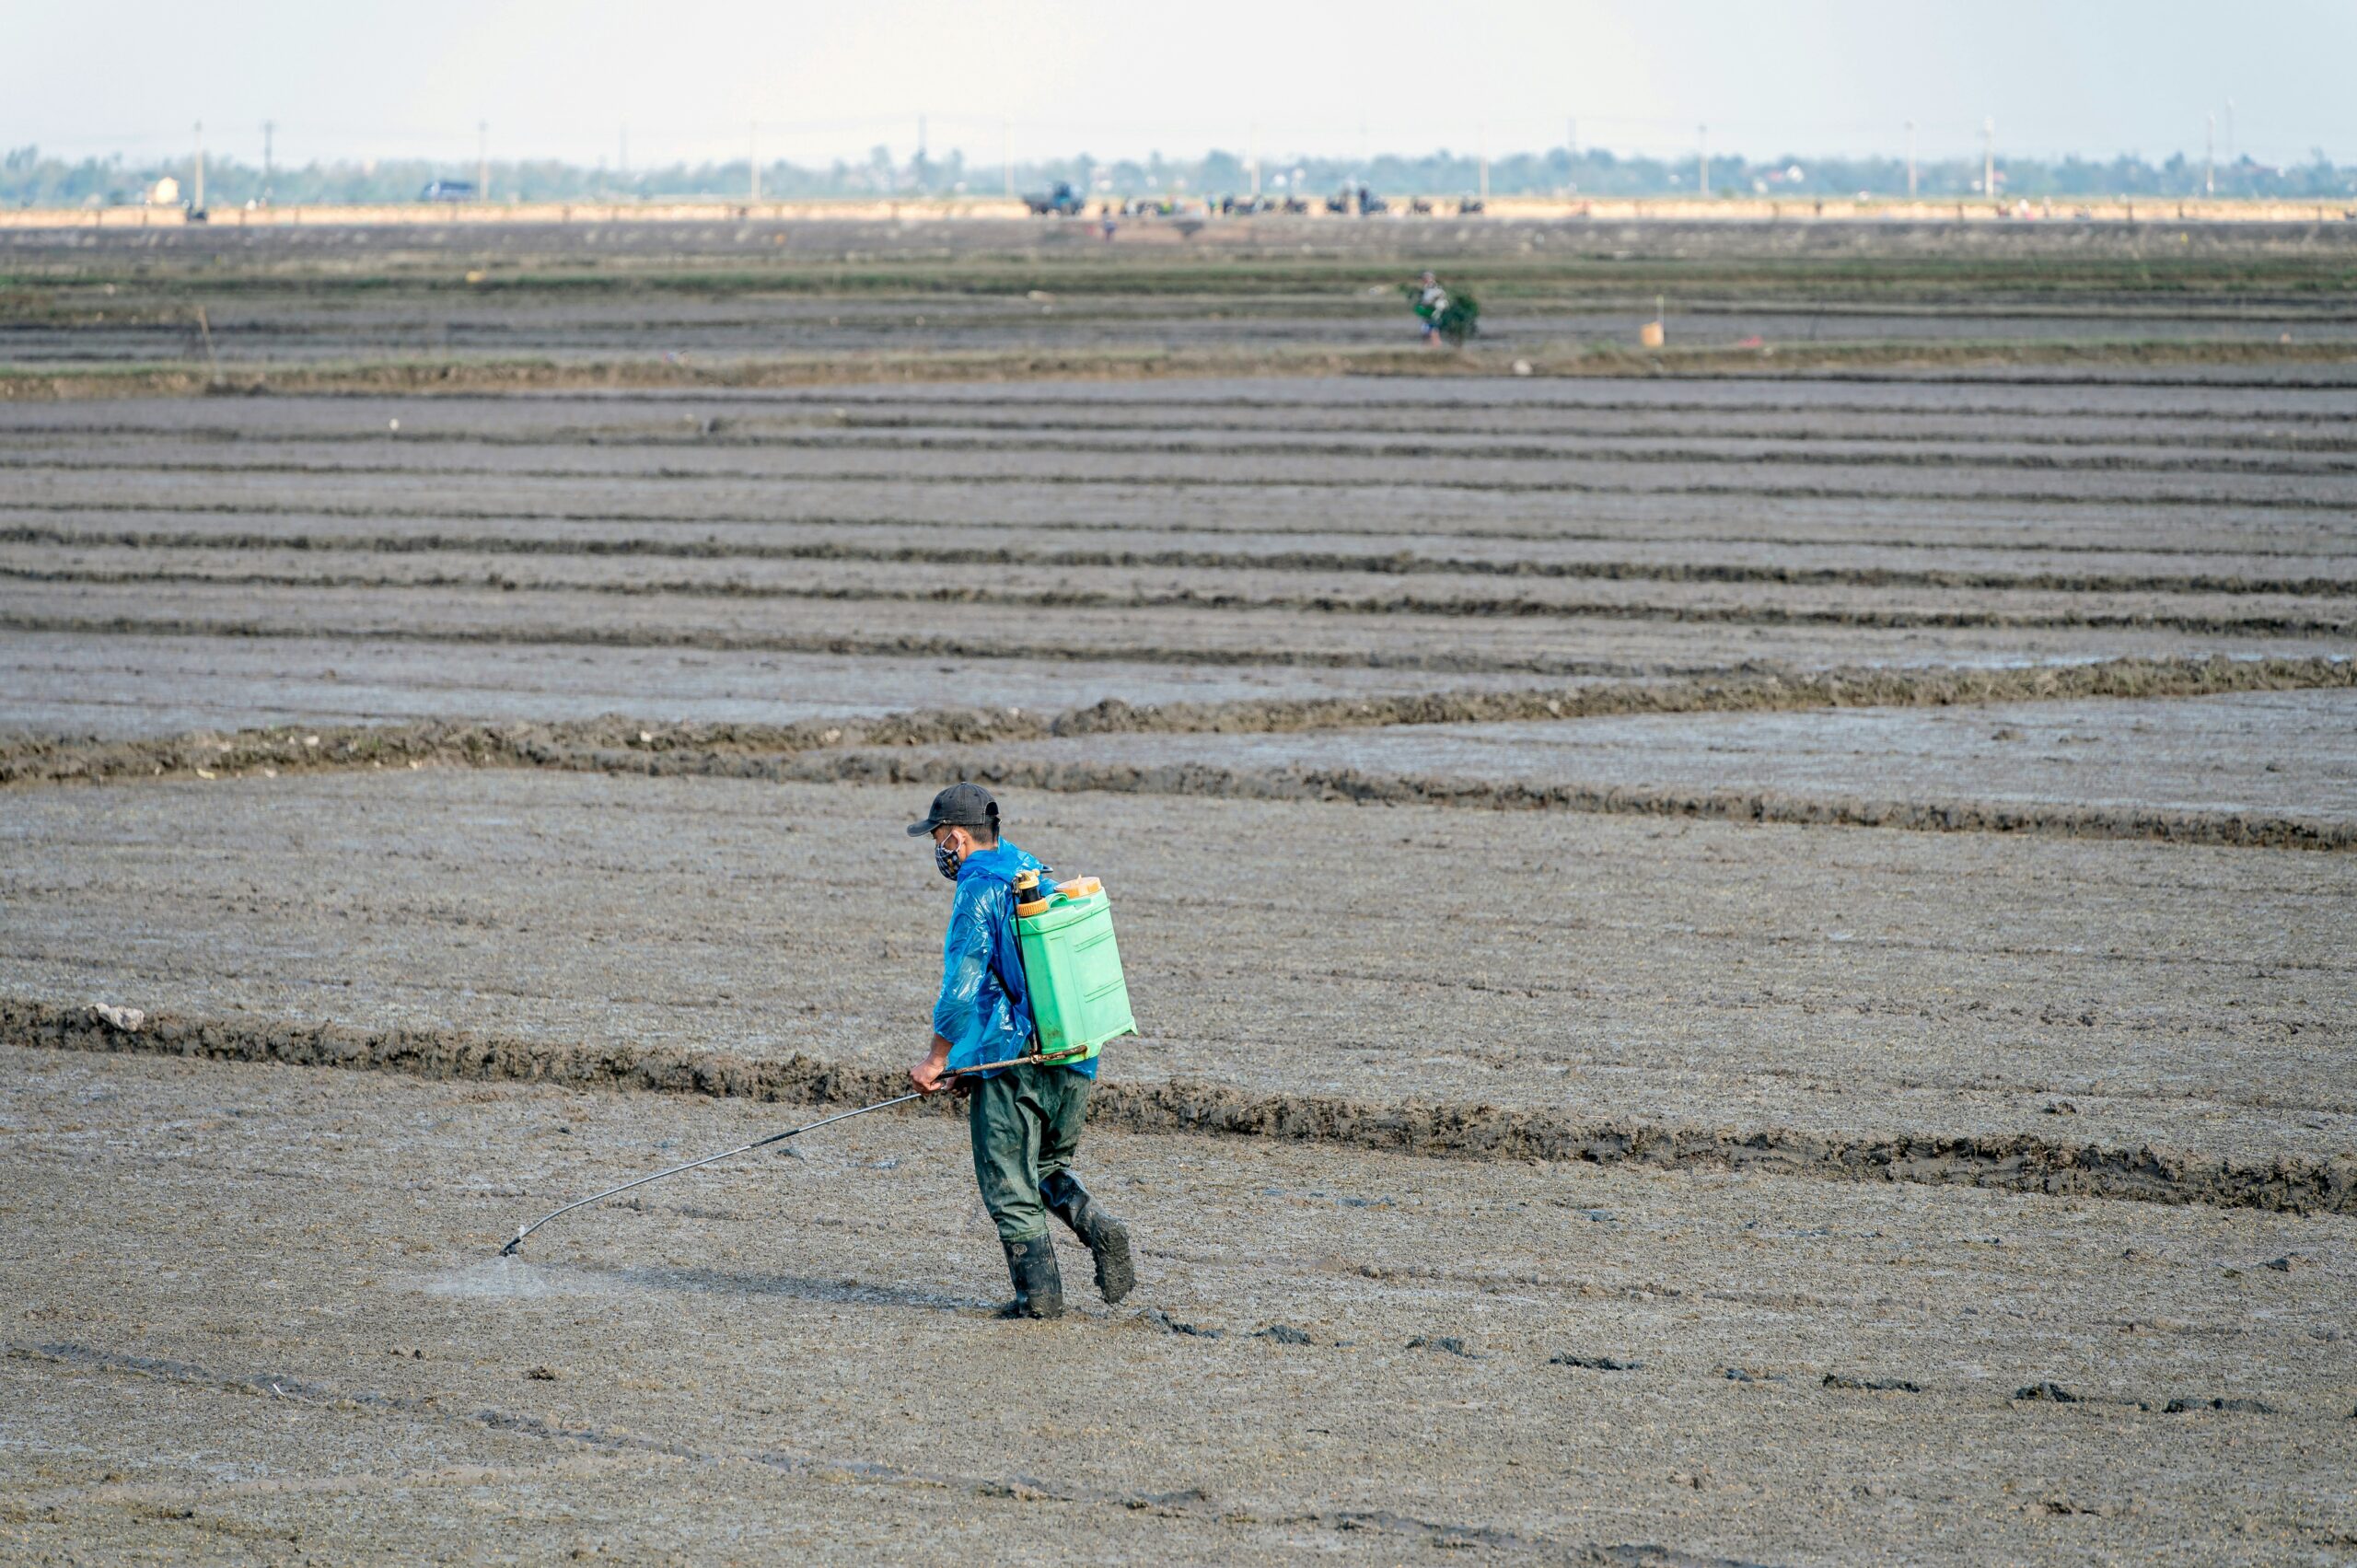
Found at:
[29, 177]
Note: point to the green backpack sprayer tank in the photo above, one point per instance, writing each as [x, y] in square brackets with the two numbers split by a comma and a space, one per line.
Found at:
[1072, 965]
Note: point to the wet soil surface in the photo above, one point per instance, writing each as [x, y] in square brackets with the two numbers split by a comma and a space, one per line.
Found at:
[2287, 753]
[1664, 551]
[1848, 983]
[1338, 591]
[283, 1279]
[475, 628]
[1574, 1123]
[2292, 482]
[602, 291]
[600, 332]
[178, 564]
[127, 685]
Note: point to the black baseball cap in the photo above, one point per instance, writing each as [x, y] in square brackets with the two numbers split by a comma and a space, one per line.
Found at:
[959, 806]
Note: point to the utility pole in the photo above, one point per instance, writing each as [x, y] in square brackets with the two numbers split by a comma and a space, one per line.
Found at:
[753, 158]
[1989, 157]
[269, 128]
[2209, 156]
[1252, 152]
[483, 161]
[1485, 163]
[1910, 160]
[198, 205]
[918, 170]
[1006, 157]
[1702, 155]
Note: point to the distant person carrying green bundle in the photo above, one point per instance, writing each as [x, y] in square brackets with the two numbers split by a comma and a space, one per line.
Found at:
[1025, 1119]
[1446, 319]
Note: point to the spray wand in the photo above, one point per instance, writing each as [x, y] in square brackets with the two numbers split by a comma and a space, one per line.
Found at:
[1033, 1059]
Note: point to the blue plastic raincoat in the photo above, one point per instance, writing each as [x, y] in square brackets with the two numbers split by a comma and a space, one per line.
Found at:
[985, 1012]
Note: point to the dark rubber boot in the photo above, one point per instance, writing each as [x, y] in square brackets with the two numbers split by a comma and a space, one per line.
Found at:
[1038, 1288]
[1107, 1239]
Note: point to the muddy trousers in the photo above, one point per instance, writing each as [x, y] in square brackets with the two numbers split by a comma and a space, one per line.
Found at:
[1026, 1124]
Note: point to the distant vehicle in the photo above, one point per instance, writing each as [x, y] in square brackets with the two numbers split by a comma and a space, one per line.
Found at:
[1063, 201]
[448, 191]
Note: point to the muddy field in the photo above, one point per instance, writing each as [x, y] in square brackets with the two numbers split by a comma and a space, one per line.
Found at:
[526, 304]
[1736, 968]
[1378, 1357]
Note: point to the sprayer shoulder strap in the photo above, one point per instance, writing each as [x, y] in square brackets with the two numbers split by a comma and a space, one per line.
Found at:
[1015, 945]
[1014, 942]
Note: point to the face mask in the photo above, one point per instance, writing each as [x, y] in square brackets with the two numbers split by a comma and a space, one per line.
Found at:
[946, 859]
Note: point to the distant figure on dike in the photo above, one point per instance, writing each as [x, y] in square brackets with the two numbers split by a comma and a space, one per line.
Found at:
[1447, 319]
[1430, 300]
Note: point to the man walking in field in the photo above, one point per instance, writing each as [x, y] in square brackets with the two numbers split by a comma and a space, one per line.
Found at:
[1025, 1121]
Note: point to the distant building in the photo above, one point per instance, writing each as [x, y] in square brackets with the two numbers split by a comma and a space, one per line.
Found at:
[164, 192]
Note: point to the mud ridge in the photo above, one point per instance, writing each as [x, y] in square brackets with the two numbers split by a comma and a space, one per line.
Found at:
[1276, 526]
[1466, 607]
[1995, 362]
[344, 471]
[604, 745]
[1430, 419]
[1422, 406]
[1395, 563]
[619, 744]
[1734, 692]
[1906, 456]
[2019, 1163]
[2238, 831]
[1425, 418]
[878, 644]
[1034, 439]
[1419, 409]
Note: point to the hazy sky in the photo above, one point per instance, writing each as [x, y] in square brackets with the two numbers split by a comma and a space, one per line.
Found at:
[687, 76]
